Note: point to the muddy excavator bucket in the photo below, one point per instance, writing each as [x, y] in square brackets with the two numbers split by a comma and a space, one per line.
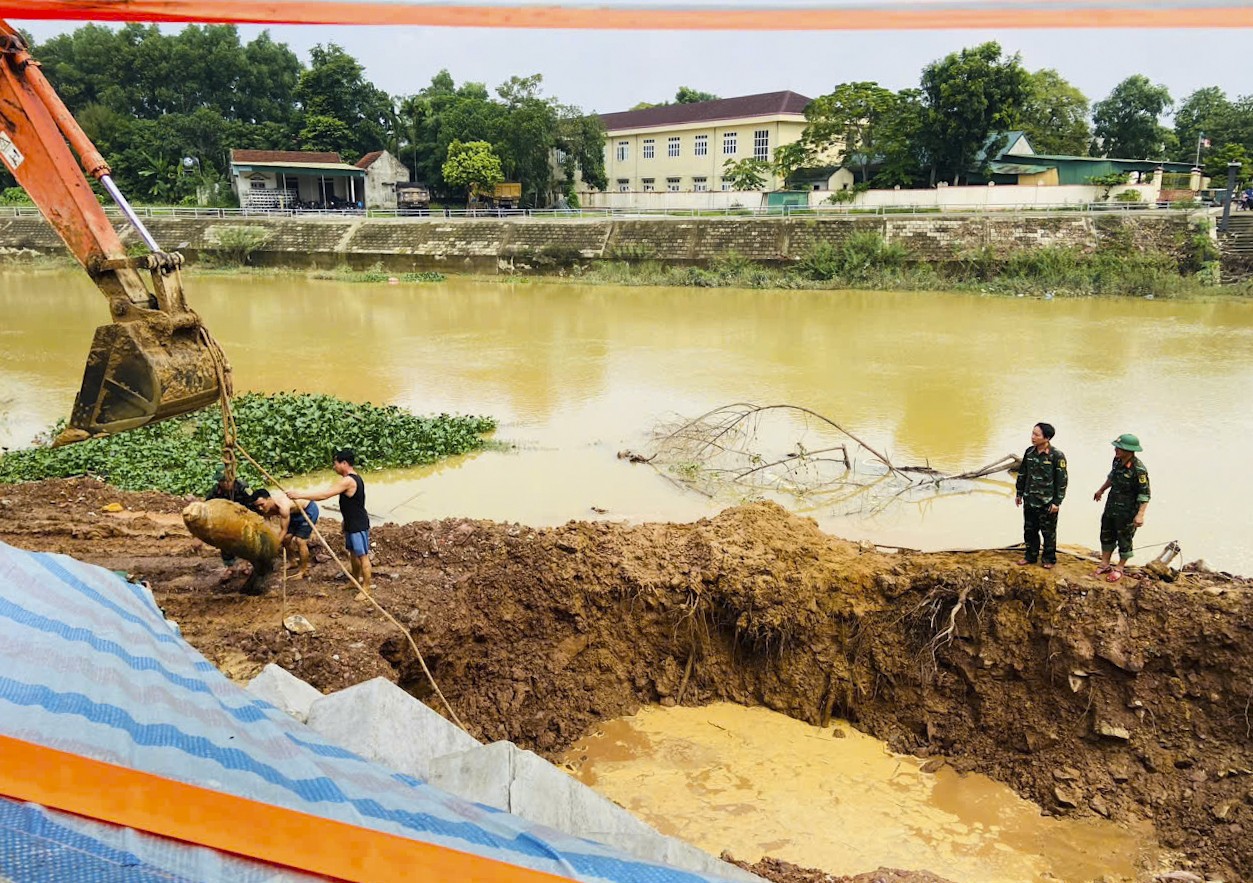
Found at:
[154, 363]
[135, 376]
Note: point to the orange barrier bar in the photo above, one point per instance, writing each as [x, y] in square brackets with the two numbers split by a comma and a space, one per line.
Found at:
[145, 802]
[1109, 14]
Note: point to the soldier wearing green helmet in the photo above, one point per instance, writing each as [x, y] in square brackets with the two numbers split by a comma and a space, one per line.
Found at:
[1128, 486]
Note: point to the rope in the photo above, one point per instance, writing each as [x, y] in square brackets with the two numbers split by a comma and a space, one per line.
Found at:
[408, 635]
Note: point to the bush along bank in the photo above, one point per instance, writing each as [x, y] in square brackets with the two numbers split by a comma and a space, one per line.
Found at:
[867, 260]
[288, 433]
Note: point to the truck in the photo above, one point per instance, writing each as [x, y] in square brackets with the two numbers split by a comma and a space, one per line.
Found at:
[505, 195]
[413, 198]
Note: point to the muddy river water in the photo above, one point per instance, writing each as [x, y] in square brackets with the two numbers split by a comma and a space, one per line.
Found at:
[576, 373]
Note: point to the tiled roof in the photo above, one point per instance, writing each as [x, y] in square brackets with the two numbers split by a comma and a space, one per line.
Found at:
[368, 160]
[765, 104]
[284, 156]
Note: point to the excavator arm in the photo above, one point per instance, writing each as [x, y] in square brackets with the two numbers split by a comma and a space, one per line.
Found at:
[156, 360]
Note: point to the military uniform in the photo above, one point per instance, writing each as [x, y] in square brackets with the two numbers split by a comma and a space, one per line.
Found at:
[1042, 481]
[1128, 488]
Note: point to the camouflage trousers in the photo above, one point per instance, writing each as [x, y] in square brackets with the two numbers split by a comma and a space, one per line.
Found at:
[1038, 522]
[1118, 529]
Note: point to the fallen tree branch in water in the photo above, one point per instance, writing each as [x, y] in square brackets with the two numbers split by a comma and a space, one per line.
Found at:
[747, 450]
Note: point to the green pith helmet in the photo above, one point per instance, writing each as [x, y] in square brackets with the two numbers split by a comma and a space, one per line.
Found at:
[1127, 442]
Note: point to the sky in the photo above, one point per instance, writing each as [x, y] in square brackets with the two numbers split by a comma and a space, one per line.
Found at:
[608, 71]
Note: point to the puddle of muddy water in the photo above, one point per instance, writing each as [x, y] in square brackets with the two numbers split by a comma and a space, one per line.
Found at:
[761, 784]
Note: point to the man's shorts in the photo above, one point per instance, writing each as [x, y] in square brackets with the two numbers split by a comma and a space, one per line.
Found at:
[301, 526]
[358, 543]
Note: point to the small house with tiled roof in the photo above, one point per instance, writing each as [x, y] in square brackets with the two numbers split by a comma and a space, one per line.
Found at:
[382, 173]
[684, 147]
[286, 180]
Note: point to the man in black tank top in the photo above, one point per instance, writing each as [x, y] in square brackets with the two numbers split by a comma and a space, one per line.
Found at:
[351, 491]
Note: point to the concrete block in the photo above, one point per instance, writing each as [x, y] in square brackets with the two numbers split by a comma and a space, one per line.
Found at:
[382, 722]
[506, 777]
[285, 691]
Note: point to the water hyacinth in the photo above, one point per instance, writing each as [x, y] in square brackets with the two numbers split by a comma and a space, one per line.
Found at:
[288, 433]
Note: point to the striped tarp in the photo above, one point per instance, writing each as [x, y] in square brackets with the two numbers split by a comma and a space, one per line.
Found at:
[89, 666]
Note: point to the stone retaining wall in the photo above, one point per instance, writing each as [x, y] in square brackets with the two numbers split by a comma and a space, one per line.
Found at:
[534, 245]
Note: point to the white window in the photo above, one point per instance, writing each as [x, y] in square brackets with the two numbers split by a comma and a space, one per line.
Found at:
[623, 148]
[672, 184]
[624, 185]
[729, 140]
[256, 185]
[650, 148]
[672, 147]
[726, 185]
[700, 185]
[702, 145]
[761, 144]
[650, 184]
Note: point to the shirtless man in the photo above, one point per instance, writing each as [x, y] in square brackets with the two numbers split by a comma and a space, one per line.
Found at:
[296, 522]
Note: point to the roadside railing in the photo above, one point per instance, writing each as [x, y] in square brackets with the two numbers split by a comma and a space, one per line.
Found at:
[625, 213]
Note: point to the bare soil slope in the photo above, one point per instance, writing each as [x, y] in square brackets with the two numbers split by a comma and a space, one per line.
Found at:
[1125, 699]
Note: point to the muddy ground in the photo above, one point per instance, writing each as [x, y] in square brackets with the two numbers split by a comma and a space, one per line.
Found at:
[1131, 699]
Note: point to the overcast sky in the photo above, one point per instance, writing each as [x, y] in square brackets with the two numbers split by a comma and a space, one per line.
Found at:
[609, 71]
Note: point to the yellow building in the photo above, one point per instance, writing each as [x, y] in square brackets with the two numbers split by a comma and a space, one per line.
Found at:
[682, 148]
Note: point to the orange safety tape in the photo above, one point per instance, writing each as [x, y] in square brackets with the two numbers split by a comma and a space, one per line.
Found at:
[226, 822]
[1009, 14]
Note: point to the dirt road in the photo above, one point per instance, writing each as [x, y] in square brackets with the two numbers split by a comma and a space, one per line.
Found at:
[1121, 700]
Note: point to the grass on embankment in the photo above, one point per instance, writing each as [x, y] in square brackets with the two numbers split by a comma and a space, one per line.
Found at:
[288, 433]
[867, 261]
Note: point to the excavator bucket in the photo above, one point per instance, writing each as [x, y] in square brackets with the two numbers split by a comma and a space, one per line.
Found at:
[140, 372]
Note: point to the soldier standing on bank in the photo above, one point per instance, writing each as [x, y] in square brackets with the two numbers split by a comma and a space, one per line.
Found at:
[1128, 486]
[1041, 487]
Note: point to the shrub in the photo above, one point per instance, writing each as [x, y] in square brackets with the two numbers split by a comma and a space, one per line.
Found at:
[235, 244]
[1128, 196]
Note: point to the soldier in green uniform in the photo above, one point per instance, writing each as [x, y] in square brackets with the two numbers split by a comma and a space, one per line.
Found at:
[1128, 486]
[1040, 489]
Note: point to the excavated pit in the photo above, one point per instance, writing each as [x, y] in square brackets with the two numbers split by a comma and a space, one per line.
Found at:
[1124, 700]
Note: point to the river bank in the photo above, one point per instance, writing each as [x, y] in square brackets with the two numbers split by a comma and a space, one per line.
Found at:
[1126, 702]
[1159, 255]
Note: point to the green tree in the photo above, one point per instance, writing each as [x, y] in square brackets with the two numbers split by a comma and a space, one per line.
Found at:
[326, 134]
[968, 95]
[688, 95]
[472, 166]
[1054, 115]
[1215, 163]
[1205, 112]
[788, 158]
[581, 148]
[900, 143]
[1126, 124]
[335, 86]
[749, 173]
[848, 119]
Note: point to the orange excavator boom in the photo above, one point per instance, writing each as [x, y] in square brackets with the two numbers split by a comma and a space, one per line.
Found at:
[156, 360]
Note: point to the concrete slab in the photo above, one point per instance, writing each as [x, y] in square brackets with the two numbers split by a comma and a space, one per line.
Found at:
[506, 777]
[382, 722]
[282, 689]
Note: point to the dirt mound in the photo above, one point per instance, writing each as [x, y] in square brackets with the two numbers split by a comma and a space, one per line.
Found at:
[1121, 700]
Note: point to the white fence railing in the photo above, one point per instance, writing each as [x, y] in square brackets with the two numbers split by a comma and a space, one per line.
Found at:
[623, 213]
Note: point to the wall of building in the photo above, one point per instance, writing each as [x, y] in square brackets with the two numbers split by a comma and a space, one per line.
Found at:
[381, 179]
[687, 168]
[940, 198]
[533, 245]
